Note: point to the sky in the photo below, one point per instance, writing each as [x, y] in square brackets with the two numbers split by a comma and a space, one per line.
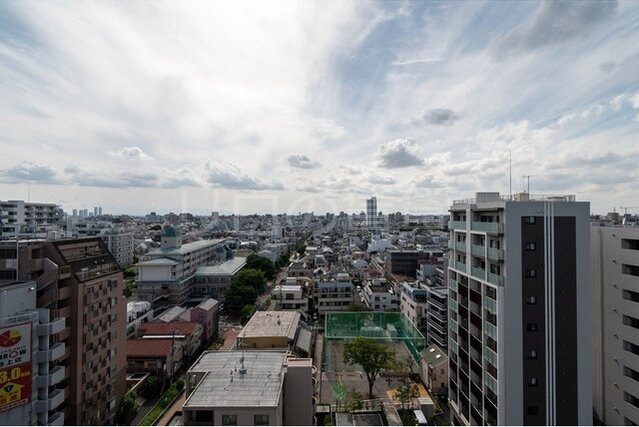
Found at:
[268, 107]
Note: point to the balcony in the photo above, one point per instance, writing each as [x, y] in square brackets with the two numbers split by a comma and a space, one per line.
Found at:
[64, 272]
[495, 279]
[478, 250]
[457, 225]
[488, 227]
[54, 353]
[496, 254]
[460, 246]
[478, 273]
[458, 265]
[55, 399]
[56, 419]
[51, 328]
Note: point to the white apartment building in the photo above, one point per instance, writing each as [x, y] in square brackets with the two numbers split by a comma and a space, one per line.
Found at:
[137, 312]
[31, 389]
[520, 311]
[335, 295]
[290, 297]
[166, 275]
[615, 278]
[378, 296]
[20, 219]
[120, 245]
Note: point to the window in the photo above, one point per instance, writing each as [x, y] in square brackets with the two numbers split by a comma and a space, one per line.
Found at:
[631, 399]
[631, 373]
[633, 348]
[531, 300]
[531, 272]
[631, 321]
[630, 295]
[260, 420]
[531, 246]
[204, 417]
[229, 420]
[532, 354]
[531, 327]
[529, 220]
[532, 382]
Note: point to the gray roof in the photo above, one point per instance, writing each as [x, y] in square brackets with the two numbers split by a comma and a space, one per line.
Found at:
[227, 268]
[271, 324]
[208, 304]
[171, 314]
[185, 248]
[434, 355]
[159, 261]
[304, 340]
[224, 386]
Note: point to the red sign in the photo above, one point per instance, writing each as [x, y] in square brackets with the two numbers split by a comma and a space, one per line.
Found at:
[15, 386]
[15, 366]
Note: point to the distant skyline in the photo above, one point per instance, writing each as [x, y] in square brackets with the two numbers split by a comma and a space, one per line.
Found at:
[272, 107]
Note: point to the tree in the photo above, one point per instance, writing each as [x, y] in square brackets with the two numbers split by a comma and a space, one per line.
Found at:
[247, 313]
[301, 248]
[127, 409]
[261, 263]
[282, 261]
[371, 356]
[239, 295]
[252, 278]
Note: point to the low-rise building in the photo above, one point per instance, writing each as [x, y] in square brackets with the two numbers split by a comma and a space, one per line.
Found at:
[290, 297]
[269, 329]
[434, 369]
[413, 304]
[158, 356]
[212, 281]
[249, 388]
[137, 312]
[334, 296]
[206, 314]
[190, 333]
[380, 297]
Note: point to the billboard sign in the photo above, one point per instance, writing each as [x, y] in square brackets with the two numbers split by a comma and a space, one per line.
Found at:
[15, 365]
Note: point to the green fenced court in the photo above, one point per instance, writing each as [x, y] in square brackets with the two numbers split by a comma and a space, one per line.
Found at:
[392, 327]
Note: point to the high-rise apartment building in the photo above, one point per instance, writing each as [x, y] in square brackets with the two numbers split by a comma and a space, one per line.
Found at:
[31, 389]
[615, 278]
[27, 219]
[79, 281]
[371, 213]
[120, 244]
[520, 311]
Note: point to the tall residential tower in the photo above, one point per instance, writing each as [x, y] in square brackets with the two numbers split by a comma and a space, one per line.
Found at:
[520, 310]
[371, 213]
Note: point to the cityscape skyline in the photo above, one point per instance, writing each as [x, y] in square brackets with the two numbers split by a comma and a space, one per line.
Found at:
[415, 103]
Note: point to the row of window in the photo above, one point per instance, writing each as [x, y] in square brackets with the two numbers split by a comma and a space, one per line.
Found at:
[229, 419]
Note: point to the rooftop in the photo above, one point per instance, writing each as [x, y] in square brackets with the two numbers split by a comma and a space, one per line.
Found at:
[229, 267]
[495, 197]
[434, 355]
[271, 324]
[148, 348]
[163, 328]
[208, 304]
[159, 261]
[185, 248]
[224, 386]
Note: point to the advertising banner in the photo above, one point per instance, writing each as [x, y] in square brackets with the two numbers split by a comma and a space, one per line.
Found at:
[15, 365]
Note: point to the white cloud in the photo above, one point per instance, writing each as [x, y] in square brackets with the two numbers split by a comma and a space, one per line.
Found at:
[399, 153]
[228, 175]
[131, 153]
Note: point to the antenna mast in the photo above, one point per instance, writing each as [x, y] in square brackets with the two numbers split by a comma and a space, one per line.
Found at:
[510, 173]
[528, 178]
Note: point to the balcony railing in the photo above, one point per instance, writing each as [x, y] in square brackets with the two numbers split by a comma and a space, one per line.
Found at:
[457, 225]
[487, 227]
[496, 254]
[478, 273]
[495, 279]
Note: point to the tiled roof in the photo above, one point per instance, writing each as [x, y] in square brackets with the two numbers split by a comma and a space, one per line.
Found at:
[148, 348]
[167, 328]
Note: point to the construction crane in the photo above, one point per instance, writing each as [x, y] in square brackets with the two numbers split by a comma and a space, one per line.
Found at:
[625, 208]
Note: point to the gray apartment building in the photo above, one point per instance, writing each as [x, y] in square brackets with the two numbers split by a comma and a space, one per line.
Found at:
[520, 311]
[615, 279]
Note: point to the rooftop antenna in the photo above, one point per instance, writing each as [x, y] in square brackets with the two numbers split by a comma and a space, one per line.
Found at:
[528, 178]
[510, 173]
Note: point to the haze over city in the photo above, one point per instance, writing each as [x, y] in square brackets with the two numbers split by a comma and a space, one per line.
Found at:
[285, 107]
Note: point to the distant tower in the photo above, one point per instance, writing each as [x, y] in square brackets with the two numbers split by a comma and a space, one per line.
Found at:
[75, 212]
[100, 210]
[371, 213]
[95, 211]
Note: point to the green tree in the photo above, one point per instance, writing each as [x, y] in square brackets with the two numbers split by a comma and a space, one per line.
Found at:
[127, 291]
[252, 278]
[301, 248]
[371, 356]
[261, 263]
[239, 295]
[282, 261]
[127, 409]
[247, 313]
